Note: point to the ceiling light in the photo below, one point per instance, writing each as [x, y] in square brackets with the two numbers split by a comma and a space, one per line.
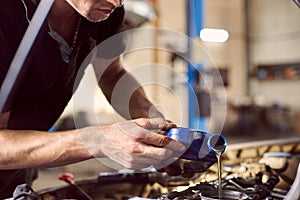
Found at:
[214, 35]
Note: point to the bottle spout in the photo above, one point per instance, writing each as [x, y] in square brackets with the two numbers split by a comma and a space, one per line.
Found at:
[217, 143]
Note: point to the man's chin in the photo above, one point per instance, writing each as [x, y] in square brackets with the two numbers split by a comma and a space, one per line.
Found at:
[95, 20]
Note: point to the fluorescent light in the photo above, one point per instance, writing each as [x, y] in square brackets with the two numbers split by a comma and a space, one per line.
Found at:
[214, 35]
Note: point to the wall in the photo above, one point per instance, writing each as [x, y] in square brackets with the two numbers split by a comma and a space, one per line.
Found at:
[275, 39]
[231, 55]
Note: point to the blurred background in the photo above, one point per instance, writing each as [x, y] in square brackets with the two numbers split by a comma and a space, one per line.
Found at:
[223, 66]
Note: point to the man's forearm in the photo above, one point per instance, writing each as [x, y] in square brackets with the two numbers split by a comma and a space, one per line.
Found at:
[140, 106]
[129, 100]
[25, 149]
[124, 92]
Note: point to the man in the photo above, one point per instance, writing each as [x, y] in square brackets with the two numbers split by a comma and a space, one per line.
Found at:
[72, 29]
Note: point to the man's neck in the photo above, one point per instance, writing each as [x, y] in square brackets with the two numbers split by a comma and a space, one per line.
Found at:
[63, 19]
[62, 10]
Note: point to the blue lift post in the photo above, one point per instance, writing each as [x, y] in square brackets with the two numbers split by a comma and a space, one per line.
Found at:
[194, 25]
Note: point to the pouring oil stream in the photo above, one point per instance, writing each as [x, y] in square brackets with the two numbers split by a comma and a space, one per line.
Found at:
[217, 144]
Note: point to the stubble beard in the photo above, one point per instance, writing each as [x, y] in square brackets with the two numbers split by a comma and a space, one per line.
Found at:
[97, 20]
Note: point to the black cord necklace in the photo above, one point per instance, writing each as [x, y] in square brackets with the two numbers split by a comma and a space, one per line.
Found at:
[76, 34]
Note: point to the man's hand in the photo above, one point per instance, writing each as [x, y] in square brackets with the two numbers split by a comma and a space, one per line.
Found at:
[134, 144]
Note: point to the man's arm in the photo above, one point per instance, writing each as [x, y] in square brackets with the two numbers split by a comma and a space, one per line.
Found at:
[123, 91]
[131, 144]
